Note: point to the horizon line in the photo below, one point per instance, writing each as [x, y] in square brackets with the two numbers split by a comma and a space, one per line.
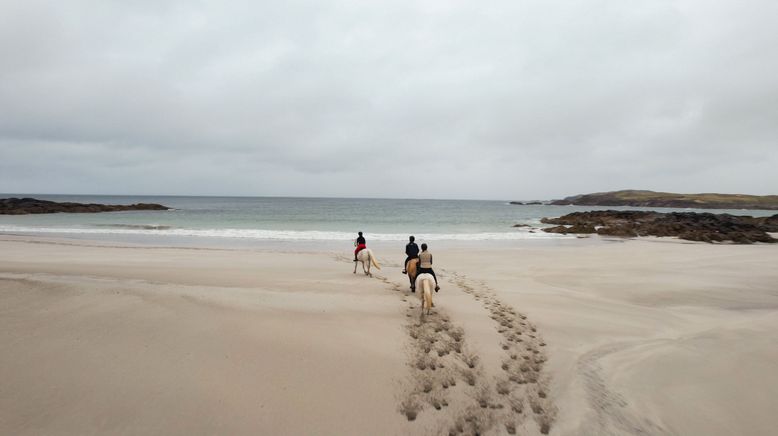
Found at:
[4, 194]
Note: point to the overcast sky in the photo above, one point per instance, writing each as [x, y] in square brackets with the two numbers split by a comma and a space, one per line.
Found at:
[514, 99]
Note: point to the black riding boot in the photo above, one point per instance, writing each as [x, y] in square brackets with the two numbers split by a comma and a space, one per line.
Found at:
[437, 288]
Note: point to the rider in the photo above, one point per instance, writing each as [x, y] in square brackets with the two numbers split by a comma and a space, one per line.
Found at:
[412, 251]
[360, 244]
[425, 265]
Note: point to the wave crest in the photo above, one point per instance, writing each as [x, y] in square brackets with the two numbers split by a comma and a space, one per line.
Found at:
[136, 226]
[284, 235]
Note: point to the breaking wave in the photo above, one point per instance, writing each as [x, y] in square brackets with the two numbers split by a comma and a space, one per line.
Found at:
[136, 226]
[279, 235]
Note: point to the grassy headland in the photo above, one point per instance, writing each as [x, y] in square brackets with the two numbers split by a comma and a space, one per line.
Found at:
[668, 199]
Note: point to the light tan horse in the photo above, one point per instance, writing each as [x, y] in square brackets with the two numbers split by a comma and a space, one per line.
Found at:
[427, 284]
[367, 258]
[411, 269]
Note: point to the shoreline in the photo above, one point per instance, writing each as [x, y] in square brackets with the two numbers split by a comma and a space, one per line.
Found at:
[658, 336]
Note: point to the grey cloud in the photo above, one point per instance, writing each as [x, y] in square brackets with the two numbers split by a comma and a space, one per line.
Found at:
[526, 99]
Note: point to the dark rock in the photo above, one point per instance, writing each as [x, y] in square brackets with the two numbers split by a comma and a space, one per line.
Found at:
[24, 206]
[768, 223]
[706, 227]
[623, 231]
[576, 228]
[521, 225]
[582, 228]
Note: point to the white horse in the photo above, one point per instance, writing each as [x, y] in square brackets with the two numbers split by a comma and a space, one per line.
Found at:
[366, 257]
[426, 282]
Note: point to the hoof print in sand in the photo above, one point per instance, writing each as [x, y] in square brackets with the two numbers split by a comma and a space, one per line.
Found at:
[524, 379]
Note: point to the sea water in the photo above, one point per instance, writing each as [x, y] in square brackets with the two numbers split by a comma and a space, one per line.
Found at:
[225, 219]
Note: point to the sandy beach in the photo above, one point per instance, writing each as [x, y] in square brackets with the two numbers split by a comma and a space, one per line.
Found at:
[183, 186]
[593, 337]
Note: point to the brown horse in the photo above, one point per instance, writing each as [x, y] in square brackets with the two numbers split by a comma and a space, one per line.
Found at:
[411, 268]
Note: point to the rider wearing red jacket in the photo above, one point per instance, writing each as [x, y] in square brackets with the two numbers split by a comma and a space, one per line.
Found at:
[360, 243]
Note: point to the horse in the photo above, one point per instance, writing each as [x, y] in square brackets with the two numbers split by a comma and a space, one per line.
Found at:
[427, 283]
[366, 257]
[411, 269]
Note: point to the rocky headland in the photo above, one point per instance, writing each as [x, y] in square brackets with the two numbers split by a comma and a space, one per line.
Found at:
[706, 227]
[667, 199]
[25, 206]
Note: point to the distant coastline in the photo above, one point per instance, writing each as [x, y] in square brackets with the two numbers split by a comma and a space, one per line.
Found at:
[27, 206]
[638, 198]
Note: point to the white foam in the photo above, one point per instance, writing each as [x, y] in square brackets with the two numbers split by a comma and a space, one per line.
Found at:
[284, 235]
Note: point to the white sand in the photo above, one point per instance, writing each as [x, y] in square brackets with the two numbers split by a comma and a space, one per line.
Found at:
[643, 337]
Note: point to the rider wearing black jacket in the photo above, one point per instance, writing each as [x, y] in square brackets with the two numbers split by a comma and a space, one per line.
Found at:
[412, 251]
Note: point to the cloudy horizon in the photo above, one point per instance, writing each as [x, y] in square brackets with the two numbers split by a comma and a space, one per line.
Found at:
[463, 99]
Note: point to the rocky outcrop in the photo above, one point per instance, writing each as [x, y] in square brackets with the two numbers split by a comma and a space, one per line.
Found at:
[706, 227]
[578, 228]
[768, 223]
[24, 206]
[557, 229]
[638, 198]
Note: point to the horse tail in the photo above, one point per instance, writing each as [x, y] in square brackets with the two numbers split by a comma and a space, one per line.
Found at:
[426, 295]
[373, 261]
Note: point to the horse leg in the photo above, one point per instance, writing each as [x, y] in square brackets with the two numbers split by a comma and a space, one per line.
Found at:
[355, 267]
[412, 273]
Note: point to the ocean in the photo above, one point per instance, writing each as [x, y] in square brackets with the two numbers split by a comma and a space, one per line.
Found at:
[226, 220]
